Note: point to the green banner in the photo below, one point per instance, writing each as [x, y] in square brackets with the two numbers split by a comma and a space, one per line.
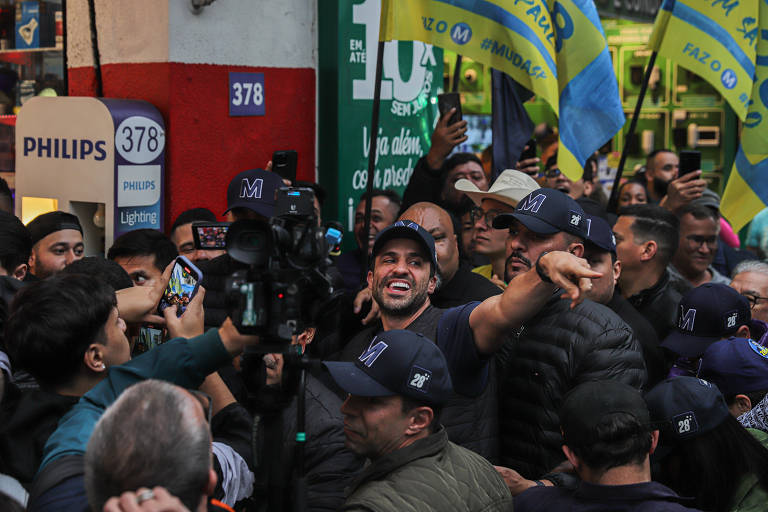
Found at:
[412, 76]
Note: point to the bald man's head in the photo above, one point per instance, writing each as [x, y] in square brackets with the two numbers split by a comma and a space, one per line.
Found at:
[440, 225]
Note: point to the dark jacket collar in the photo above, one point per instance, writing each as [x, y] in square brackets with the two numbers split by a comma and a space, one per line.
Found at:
[649, 294]
[388, 463]
[640, 492]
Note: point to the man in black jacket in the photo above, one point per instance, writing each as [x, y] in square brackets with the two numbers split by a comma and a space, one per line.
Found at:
[559, 344]
[401, 280]
[600, 253]
[646, 239]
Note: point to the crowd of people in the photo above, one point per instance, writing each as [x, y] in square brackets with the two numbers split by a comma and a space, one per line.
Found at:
[501, 343]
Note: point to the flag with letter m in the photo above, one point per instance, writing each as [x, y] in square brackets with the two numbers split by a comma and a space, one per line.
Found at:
[554, 48]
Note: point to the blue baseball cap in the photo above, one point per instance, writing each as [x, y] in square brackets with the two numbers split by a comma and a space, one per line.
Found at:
[254, 189]
[397, 362]
[547, 211]
[685, 407]
[600, 234]
[410, 230]
[706, 314]
[736, 366]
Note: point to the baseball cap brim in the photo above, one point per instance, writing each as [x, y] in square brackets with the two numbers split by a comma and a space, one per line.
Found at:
[687, 345]
[355, 381]
[504, 220]
[265, 209]
[397, 232]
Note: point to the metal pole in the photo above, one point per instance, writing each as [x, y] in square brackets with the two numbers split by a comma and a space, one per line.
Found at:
[614, 200]
[372, 147]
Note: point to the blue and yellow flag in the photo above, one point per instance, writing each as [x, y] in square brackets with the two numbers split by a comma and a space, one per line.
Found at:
[747, 190]
[555, 48]
[715, 39]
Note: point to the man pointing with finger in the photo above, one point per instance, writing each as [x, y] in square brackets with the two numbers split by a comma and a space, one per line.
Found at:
[559, 345]
[401, 280]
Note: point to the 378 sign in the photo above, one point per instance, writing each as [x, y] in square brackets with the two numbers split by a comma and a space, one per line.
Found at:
[246, 94]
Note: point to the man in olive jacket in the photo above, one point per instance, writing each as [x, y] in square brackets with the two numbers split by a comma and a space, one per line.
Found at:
[396, 389]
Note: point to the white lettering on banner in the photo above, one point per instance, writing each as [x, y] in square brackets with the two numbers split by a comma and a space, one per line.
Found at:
[132, 217]
[138, 185]
[392, 84]
[139, 139]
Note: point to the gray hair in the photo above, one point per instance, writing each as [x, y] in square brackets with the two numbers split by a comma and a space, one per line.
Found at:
[149, 437]
[750, 266]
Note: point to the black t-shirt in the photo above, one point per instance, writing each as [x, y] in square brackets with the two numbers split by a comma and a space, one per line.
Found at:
[466, 286]
[449, 329]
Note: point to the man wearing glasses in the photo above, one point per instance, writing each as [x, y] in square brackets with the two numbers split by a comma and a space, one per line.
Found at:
[697, 247]
[502, 197]
[576, 189]
[750, 278]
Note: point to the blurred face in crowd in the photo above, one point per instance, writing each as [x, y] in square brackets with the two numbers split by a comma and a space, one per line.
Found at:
[467, 233]
[56, 251]
[142, 269]
[601, 261]
[184, 240]
[525, 246]
[438, 223]
[117, 349]
[374, 426]
[628, 252]
[661, 170]
[400, 280]
[697, 246]
[559, 181]
[632, 193]
[487, 239]
[471, 171]
[383, 213]
[754, 286]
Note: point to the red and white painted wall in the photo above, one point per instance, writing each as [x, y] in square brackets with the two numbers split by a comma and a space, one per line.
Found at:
[159, 51]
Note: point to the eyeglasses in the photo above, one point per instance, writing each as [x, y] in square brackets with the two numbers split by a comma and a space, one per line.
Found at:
[205, 401]
[753, 299]
[478, 213]
[552, 173]
[696, 241]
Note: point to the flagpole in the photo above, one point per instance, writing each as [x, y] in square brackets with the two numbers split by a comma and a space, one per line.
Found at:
[456, 74]
[614, 200]
[372, 147]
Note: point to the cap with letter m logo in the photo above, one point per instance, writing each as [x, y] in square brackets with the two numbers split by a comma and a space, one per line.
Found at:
[250, 188]
[531, 203]
[687, 319]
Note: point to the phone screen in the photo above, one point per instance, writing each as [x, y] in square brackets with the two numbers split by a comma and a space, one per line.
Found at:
[181, 288]
[149, 338]
[212, 237]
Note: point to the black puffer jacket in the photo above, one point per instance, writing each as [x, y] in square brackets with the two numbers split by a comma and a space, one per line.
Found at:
[556, 350]
[658, 304]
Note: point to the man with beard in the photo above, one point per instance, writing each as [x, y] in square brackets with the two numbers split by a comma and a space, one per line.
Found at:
[665, 186]
[456, 283]
[402, 278]
[560, 345]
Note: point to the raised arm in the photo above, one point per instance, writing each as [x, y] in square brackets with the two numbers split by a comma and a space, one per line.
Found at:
[526, 294]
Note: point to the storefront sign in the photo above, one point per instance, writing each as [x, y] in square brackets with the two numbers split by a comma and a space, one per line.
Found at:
[637, 10]
[412, 76]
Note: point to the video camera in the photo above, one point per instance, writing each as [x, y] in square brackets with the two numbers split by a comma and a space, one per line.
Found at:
[287, 284]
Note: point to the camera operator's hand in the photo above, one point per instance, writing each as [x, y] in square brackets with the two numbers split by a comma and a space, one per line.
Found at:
[273, 363]
[683, 190]
[233, 341]
[191, 322]
[362, 297]
[444, 139]
[139, 303]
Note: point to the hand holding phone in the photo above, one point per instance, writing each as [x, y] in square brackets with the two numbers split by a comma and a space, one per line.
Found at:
[182, 287]
[284, 164]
